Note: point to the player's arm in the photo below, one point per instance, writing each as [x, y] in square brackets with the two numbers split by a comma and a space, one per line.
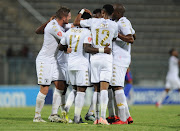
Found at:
[134, 36]
[127, 38]
[63, 46]
[126, 31]
[89, 49]
[40, 30]
[78, 17]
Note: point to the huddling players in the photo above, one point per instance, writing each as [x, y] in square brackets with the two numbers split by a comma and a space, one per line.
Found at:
[108, 42]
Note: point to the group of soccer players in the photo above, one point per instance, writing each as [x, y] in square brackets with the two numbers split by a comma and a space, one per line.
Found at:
[93, 51]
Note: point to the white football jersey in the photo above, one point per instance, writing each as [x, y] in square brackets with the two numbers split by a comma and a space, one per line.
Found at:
[103, 32]
[173, 71]
[75, 38]
[61, 56]
[52, 34]
[122, 49]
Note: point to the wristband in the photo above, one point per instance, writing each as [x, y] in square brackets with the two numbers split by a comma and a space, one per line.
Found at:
[101, 50]
[82, 11]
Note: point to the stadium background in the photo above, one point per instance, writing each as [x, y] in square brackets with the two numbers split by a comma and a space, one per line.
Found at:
[157, 25]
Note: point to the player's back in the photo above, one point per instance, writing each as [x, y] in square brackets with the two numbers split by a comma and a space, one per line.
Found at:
[103, 32]
[173, 67]
[75, 38]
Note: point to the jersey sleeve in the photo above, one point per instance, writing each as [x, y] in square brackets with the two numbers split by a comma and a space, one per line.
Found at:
[116, 31]
[133, 31]
[86, 23]
[125, 27]
[63, 41]
[57, 32]
[88, 38]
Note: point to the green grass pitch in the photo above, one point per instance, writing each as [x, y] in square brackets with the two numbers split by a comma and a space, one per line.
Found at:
[146, 118]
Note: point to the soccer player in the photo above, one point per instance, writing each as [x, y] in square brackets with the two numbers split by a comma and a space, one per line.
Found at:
[172, 78]
[103, 32]
[121, 61]
[46, 61]
[63, 78]
[90, 114]
[77, 38]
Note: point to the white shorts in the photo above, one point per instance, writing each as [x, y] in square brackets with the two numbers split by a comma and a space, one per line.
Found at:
[63, 74]
[101, 70]
[173, 83]
[79, 77]
[118, 76]
[46, 73]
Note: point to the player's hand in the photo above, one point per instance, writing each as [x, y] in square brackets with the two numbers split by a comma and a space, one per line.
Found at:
[52, 17]
[69, 50]
[107, 50]
[88, 11]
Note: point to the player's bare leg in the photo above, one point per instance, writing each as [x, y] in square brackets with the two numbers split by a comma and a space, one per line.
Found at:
[40, 103]
[79, 102]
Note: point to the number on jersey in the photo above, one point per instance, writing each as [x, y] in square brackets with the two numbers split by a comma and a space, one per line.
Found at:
[70, 41]
[104, 39]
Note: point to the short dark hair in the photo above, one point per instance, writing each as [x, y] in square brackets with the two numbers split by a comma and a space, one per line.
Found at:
[120, 8]
[86, 15]
[97, 11]
[108, 8]
[171, 51]
[63, 11]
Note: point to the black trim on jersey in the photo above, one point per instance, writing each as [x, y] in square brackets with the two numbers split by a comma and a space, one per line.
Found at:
[43, 85]
[116, 86]
[104, 81]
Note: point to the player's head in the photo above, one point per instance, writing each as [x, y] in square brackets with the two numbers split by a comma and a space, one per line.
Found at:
[119, 11]
[97, 13]
[63, 14]
[173, 52]
[107, 10]
[85, 15]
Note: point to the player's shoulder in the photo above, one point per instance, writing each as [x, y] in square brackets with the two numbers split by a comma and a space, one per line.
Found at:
[123, 21]
[173, 58]
[86, 30]
[52, 25]
[114, 23]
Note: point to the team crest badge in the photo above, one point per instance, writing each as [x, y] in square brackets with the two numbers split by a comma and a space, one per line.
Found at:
[59, 33]
[89, 39]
